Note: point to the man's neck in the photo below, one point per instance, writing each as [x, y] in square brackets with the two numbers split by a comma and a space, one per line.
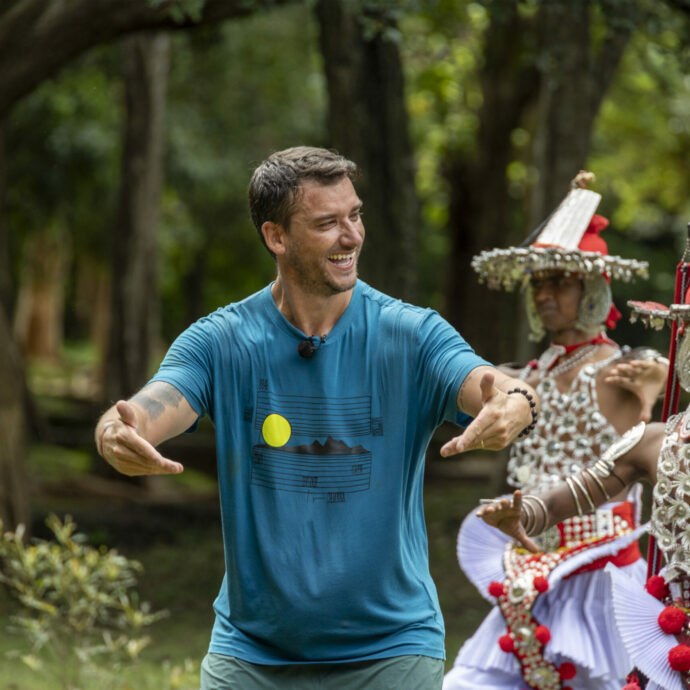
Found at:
[312, 314]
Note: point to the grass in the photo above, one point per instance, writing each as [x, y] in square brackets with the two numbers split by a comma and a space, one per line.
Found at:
[181, 550]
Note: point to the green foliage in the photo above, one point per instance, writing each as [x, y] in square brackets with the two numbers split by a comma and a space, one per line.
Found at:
[646, 185]
[640, 153]
[79, 606]
[238, 91]
[62, 150]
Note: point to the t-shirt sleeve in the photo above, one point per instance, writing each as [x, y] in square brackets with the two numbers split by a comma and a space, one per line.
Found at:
[188, 366]
[445, 360]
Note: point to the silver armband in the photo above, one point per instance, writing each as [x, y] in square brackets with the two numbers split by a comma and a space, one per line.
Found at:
[604, 466]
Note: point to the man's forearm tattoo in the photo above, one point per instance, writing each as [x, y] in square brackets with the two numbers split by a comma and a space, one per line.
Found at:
[156, 397]
[461, 392]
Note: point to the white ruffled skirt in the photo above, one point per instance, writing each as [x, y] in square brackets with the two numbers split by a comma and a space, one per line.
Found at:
[578, 611]
[636, 613]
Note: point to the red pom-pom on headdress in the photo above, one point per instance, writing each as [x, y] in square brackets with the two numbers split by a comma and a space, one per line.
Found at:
[591, 242]
[506, 643]
[567, 670]
[671, 620]
[542, 634]
[679, 658]
[541, 584]
[613, 317]
[657, 587]
[495, 589]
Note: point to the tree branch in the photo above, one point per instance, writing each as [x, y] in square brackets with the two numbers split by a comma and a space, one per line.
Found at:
[38, 37]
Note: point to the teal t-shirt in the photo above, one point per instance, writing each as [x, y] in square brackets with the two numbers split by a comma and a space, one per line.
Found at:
[320, 469]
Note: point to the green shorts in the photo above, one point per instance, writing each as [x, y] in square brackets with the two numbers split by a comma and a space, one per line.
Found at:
[220, 672]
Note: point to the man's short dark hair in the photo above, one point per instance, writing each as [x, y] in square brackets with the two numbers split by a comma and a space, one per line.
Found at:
[275, 185]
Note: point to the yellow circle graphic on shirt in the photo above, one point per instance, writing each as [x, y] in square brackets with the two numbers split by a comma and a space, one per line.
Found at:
[276, 430]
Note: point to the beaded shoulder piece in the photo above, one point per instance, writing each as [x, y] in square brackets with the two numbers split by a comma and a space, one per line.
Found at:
[570, 434]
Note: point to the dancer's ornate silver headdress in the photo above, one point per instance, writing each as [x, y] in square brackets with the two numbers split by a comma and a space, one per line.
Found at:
[568, 241]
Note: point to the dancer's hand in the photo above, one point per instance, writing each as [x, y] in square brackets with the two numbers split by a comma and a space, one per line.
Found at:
[645, 378]
[505, 514]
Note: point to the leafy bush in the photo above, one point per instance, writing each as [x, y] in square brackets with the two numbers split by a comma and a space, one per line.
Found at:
[80, 611]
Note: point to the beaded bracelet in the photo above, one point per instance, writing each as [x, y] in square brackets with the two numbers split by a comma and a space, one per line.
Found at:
[532, 409]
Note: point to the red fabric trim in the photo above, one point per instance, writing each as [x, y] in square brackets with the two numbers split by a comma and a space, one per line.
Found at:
[625, 556]
[598, 339]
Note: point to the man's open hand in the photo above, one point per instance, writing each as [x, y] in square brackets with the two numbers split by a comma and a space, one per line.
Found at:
[122, 447]
[501, 418]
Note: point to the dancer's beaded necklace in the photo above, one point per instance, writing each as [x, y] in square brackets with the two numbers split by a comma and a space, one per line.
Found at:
[571, 432]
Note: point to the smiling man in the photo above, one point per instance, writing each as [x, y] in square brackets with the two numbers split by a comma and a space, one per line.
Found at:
[324, 394]
[591, 392]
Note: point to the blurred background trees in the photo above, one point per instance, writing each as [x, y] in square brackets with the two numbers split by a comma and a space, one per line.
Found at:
[130, 129]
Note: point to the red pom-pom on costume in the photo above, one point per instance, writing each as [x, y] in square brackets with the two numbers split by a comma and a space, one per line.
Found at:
[679, 658]
[657, 587]
[506, 643]
[567, 670]
[671, 620]
[542, 634]
[495, 589]
[541, 584]
[632, 682]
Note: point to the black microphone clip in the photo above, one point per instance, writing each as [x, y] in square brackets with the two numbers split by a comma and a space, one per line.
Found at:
[307, 347]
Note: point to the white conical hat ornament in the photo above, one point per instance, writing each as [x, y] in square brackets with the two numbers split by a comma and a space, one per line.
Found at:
[567, 240]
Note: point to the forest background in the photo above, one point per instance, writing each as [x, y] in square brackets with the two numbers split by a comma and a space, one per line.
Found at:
[129, 129]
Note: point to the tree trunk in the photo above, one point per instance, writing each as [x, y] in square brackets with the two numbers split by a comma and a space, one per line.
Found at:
[134, 304]
[480, 208]
[572, 88]
[14, 489]
[39, 315]
[368, 123]
[6, 287]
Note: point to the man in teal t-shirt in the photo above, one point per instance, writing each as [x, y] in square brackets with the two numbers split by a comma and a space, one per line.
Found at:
[324, 394]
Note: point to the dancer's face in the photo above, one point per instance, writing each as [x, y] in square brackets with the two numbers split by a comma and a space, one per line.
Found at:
[557, 298]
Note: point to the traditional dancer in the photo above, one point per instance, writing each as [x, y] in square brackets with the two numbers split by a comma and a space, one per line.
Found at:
[653, 624]
[591, 392]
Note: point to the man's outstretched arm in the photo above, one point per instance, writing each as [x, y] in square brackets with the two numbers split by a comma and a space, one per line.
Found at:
[127, 434]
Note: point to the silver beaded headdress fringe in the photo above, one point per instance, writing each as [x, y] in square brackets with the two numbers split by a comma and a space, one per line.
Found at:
[656, 316]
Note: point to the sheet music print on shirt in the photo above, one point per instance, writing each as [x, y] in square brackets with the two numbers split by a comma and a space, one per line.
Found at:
[303, 448]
